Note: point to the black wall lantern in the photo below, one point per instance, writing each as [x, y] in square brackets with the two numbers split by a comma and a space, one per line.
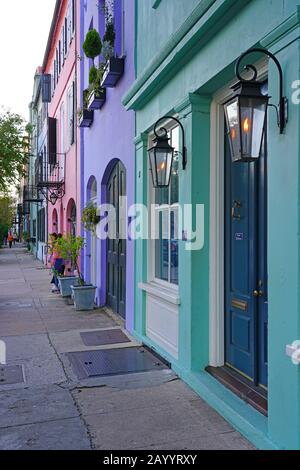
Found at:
[161, 155]
[246, 112]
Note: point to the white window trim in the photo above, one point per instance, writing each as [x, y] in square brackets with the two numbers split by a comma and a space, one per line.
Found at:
[217, 223]
[162, 292]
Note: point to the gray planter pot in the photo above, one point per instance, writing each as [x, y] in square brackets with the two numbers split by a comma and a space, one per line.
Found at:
[65, 284]
[84, 297]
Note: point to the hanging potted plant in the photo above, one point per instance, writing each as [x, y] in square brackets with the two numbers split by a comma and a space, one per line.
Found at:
[83, 294]
[85, 115]
[90, 218]
[114, 67]
[97, 94]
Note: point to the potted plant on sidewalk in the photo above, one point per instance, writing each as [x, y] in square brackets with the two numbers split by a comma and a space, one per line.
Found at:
[65, 281]
[83, 294]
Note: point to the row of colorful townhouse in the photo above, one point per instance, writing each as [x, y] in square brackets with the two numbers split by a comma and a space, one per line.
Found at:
[219, 297]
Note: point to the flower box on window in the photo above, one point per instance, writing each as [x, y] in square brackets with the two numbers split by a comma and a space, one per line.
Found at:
[97, 98]
[86, 118]
[114, 70]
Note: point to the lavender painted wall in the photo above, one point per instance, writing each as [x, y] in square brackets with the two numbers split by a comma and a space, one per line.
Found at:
[109, 139]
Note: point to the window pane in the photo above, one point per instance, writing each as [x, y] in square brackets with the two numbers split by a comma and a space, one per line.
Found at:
[161, 196]
[174, 196]
[162, 247]
[174, 246]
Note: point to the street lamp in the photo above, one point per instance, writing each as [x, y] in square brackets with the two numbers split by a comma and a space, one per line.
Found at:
[246, 112]
[53, 198]
[162, 153]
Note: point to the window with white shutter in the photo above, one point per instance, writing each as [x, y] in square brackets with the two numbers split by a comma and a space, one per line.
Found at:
[69, 23]
[73, 16]
[71, 113]
[59, 57]
[66, 37]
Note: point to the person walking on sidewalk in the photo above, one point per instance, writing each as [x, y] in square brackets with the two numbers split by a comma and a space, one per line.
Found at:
[57, 263]
[10, 239]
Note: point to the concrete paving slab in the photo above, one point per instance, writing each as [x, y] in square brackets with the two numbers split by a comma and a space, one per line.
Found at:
[57, 325]
[233, 441]
[35, 405]
[63, 434]
[26, 327]
[38, 371]
[143, 429]
[71, 341]
[27, 346]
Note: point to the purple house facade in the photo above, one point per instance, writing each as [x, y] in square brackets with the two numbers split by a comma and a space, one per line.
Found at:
[108, 157]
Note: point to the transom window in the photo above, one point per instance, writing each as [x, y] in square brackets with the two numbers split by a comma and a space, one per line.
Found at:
[166, 222]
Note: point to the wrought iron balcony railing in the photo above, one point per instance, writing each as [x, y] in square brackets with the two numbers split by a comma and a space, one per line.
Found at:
[50, 172]
[31, 194]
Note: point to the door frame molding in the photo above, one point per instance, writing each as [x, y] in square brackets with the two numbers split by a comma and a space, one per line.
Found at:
[217, 221]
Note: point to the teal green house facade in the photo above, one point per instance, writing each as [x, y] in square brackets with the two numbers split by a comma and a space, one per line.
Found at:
[197, 304]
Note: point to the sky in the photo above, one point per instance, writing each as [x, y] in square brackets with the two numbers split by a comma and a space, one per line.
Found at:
[24, 30]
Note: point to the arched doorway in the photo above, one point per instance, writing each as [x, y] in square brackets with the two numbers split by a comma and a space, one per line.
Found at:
[91, 237]
[116, 246]
[72, 218]
[54, 221]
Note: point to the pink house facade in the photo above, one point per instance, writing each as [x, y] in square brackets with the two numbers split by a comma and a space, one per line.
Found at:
[61, 158]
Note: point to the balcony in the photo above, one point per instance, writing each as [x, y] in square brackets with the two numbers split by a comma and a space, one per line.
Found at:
[50, 173]
[31, 194]
[50, 176]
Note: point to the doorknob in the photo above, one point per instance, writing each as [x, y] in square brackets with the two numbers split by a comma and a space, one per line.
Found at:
[258, 293]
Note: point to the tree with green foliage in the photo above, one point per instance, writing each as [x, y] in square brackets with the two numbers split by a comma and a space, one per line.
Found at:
[7, 211]
[12, 149]
[92, 45]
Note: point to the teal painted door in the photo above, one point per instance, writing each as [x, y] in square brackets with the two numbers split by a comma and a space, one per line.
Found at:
[246, 294]
[116, 246]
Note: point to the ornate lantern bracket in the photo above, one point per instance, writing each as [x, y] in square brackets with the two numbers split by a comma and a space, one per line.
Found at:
[282, 108]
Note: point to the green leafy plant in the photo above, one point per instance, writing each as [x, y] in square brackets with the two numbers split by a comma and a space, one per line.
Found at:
[85, 103]
[93, 73]
[92, 45]
[110, 35]
[90, 218]
[70, 247]
[95, 78]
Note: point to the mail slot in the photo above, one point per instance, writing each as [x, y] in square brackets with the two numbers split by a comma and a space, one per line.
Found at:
[240, 304]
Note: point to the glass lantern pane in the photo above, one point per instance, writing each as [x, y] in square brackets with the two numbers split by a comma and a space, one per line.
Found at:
[163, 166]
[253, 111]
[153, 166]
[232, 118]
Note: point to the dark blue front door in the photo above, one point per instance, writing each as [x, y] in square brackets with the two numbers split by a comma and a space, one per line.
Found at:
[246, 294]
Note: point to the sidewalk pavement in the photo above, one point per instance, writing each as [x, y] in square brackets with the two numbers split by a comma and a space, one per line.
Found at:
[54, 410]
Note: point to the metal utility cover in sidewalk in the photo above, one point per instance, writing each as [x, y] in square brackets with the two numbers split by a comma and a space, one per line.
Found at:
[113, 362]
[11, 375]
[102, 337]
